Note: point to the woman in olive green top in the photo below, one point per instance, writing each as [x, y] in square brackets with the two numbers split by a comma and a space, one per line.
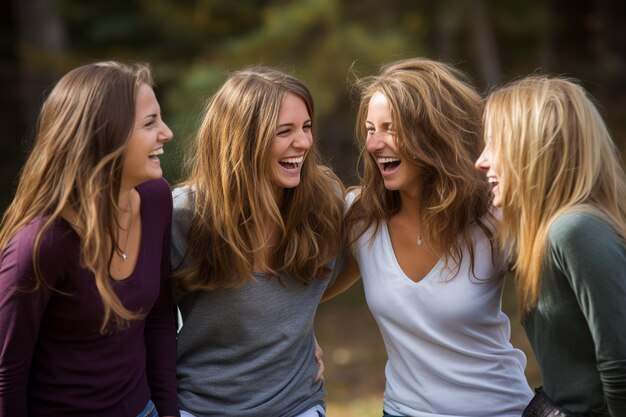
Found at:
[559, 181]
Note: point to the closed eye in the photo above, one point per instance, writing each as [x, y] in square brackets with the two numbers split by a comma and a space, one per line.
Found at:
[150, 120]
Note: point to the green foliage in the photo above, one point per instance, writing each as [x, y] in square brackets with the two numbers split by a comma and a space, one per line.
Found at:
[192, 46]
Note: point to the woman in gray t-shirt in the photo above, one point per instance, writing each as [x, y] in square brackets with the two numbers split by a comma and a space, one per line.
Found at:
[256, 234]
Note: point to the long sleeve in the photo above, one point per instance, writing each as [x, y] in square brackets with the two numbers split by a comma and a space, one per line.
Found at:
[21, 311]
[160, 330]
[593, 258]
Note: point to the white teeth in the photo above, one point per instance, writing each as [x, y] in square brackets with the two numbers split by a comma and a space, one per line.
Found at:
[492, 180]
[387, 160]
[157, 152]
[296, 160]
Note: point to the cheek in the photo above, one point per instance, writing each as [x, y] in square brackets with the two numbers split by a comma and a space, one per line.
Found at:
[277, 148]
[369, 145]
[495, 167]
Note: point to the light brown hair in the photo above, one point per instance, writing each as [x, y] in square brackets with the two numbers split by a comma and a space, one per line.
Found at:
[233, 190]
[436, 117]
[76, 164]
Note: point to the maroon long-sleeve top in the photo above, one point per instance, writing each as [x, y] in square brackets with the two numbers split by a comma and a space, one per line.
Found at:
[54, 361]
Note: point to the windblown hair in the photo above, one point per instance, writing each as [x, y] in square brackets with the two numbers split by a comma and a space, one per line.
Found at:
[554, 155]
[234, 197]
[436, 119]
[76, 164]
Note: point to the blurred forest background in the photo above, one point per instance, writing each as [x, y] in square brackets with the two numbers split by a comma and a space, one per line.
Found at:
[193, 44]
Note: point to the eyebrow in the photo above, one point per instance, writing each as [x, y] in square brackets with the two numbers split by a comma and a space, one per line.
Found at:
[291, 124]
[384, 124]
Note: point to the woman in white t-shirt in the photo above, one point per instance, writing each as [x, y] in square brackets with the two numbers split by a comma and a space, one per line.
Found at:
[421, 231]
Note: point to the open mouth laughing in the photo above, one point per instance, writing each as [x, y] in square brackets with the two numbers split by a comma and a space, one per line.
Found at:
[388, 164]
[292, 162]
[154, 155]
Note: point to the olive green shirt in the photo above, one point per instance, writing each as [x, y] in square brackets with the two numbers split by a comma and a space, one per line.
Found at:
[578, 329]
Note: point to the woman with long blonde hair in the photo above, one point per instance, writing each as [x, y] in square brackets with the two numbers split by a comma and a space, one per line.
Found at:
[421, 230]
[87, 326]
[559, 180]
[256, 234]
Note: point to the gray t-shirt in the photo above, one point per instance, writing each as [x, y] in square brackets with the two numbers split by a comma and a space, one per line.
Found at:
[245, 351]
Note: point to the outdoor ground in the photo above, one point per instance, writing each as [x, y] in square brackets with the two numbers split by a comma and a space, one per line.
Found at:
[354, 354]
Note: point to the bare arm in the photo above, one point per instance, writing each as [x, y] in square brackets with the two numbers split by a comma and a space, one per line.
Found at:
[346, 278]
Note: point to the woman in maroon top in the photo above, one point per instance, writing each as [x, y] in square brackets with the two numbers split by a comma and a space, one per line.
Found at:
[86, 323]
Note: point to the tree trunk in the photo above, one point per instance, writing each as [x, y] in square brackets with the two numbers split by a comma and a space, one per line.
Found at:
[41, 43]
[485, 45]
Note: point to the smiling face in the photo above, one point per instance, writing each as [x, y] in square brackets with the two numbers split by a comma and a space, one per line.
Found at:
[397, 172]
[141, 162]
[487, 161]
[291, 143]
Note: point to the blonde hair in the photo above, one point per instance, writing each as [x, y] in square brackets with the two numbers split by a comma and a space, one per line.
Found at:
[76, 163]
[554, 155]
[436, 117]
[234, 195]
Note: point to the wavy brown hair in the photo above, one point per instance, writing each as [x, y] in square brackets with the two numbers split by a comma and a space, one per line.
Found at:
[76, 164]
[555, 155]
[233, 190]
[437, 119]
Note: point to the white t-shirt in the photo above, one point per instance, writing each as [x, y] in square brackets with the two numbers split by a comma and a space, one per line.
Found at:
[446, 336]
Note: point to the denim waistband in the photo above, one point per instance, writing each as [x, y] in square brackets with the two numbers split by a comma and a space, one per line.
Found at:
[149, 410]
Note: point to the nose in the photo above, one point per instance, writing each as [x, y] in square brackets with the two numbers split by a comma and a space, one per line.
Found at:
[303, 140]
[166, 134]
[483, 163]
[374, 142]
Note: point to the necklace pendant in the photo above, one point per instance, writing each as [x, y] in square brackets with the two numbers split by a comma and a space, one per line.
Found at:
[420, 241]
[124, 256]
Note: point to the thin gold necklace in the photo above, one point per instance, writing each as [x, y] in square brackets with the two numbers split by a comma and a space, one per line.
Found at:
[130, 225]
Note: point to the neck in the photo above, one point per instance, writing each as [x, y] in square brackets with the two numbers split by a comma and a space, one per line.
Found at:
[123, 199]
[410, 214]
[410, 201]
[279, 192]
[125, 215]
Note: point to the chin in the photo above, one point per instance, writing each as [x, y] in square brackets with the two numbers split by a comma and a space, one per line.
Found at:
[291, 185]
[391, 186]
[288, 181]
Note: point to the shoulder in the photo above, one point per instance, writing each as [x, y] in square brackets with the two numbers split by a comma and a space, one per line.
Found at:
[589, 253]
[183, 198]
[583, 238]
[156, 190]
[184, 207]
[351, 195]
[158, 186]
[58, 234]
[156, 200]
[580, 228]
[56, 242]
